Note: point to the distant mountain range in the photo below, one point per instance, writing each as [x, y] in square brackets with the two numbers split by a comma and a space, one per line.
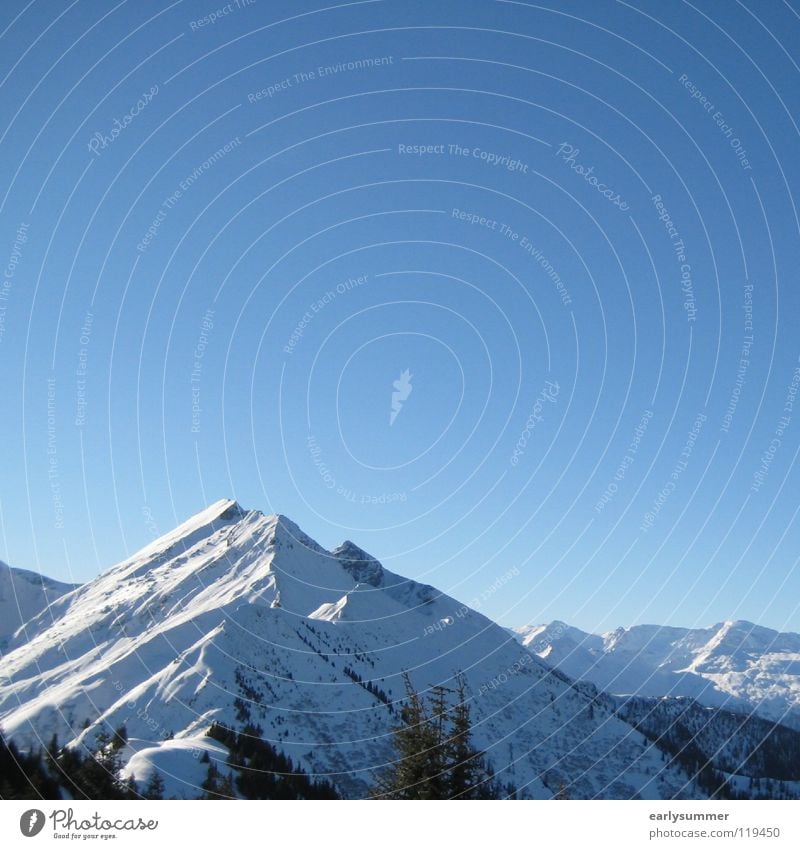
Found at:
[239, 618]
[23, 595]
[735, 665]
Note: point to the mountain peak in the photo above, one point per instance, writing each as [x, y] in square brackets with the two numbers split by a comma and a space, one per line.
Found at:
[238, 617]
[186, 534]
[362, 566]
[23, 595]
[288, 534]
[350, 551]
[733, 662]
[229, 508]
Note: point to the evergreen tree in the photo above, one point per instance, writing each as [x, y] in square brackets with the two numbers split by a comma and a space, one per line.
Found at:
[469, 777]
[417, 771]
[154, 789]
[259, 771]
[210, 786]
[226, 789]
[435, 755]
[119, 739]
[25, 776]
[97, 774]
[42, 775]
[562, 792]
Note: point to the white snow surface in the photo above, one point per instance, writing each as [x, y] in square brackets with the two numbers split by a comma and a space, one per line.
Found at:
[237, 616]
[182, 764]
[736, 664]
[23, 594]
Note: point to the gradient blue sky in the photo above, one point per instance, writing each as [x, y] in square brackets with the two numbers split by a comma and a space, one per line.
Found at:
[318, 189]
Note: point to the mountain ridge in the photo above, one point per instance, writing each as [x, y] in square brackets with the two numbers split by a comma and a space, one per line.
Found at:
[734, 664]
[23, 595]
[241, 618]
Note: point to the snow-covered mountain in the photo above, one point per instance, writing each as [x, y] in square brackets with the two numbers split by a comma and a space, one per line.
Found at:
[755, 757]
[239, 617]
[23, 594]
[736, 665]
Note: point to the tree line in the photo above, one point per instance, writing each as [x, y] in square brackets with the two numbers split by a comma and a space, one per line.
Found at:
[435, 755]
[57, 772]
[434, 758]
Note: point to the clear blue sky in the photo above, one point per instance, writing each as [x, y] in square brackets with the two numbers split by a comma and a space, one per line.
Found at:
[219, 257]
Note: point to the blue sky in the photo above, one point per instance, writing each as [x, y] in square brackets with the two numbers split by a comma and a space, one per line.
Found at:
[227, 231]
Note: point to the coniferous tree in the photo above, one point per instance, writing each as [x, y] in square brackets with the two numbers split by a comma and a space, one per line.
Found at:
[46, 774]
[469, 777]
[259, 771]
[436, 758]
[96, 775]
[154, 789]
[210, 786]
[226, 788]
[25, 776]
[562, 792]
[119, 739]
[415, 773]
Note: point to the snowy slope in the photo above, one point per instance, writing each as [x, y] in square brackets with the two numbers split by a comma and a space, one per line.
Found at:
[240, 617]
[737, 744]
[736, 665]
[23, 594]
